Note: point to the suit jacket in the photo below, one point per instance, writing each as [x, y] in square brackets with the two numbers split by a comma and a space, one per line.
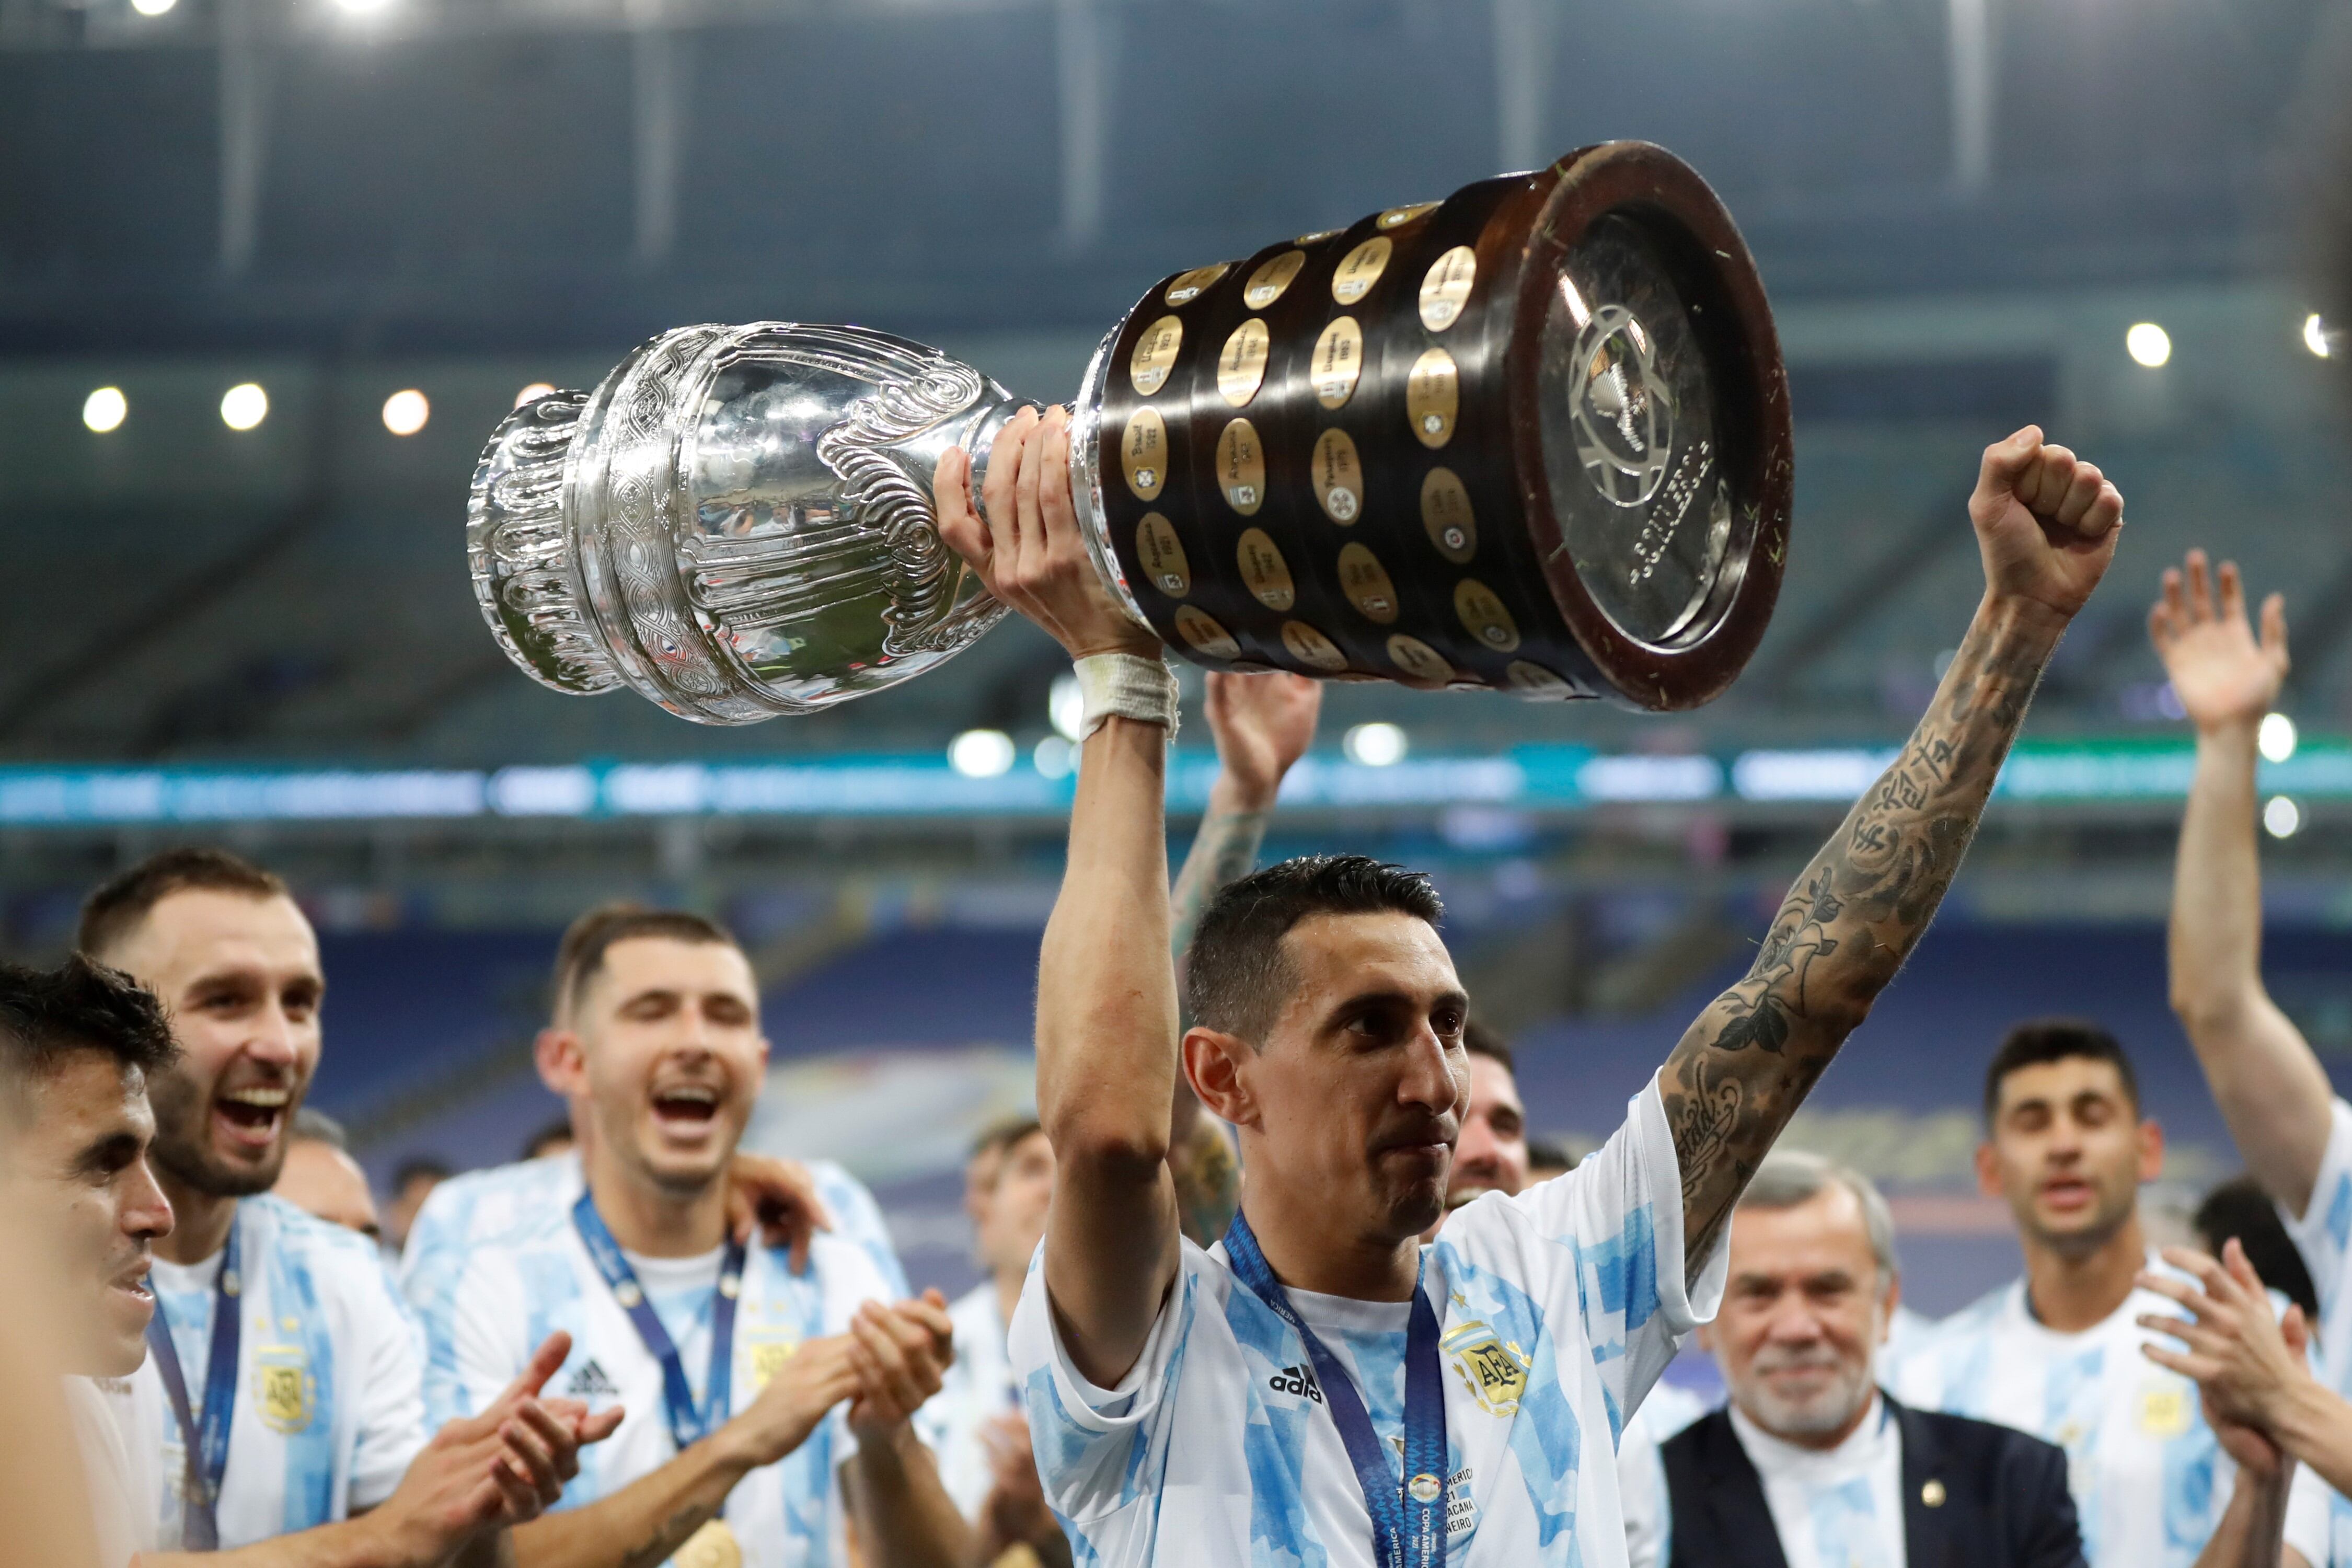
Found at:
[1975, 1495]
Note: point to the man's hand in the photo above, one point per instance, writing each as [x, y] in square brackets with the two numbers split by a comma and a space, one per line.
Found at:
[2242, 1359]
[778, 1199]
[2221, 674]
[503, 1466]
[814, 1378]
[1028, 550]
[1015, 1512]
[2046, 524]
[1262, 724]
[899, 1352]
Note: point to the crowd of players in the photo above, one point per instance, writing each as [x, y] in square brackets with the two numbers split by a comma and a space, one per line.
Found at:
[1276, 1274]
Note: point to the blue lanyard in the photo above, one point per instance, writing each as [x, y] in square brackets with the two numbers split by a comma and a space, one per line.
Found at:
[687, 1425]
[1408, 1522]
[204, 1444]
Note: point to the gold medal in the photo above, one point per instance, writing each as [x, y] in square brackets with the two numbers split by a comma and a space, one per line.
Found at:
[712, 1546]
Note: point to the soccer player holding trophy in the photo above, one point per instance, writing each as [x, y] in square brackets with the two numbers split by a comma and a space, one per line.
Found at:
[1319, 1384]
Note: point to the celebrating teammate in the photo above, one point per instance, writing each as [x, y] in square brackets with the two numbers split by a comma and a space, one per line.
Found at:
[281, 1405]
[2057, 1352]
[766, 1403]
[2292, 1128]
[1252, 1403]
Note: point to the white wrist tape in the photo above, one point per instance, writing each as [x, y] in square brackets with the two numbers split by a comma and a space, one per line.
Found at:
[1129, 686]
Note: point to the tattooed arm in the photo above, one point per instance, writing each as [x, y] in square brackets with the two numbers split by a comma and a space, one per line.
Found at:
[2046, 525]
[1263, 723]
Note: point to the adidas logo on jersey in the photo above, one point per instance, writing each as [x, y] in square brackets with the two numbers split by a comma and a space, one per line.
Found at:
[1296, 1379]
[590, 1382]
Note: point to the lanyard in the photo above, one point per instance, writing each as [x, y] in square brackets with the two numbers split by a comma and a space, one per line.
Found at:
[687, 1425]
[204, 1442]
[1408, 1522]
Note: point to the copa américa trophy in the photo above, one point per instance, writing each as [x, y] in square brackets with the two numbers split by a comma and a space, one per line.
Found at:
[1532, 439]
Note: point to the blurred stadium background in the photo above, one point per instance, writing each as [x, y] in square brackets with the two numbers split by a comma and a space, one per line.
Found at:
[243, 616]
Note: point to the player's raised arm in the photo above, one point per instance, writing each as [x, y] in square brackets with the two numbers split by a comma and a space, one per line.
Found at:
[1107, 1030]
[1263, 725]
[2046, 525]
[2272, 1091]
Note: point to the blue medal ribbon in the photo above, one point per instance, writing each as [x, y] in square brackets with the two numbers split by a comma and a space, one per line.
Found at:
[1408, 1518]
[687, 1424]
[204, 1440]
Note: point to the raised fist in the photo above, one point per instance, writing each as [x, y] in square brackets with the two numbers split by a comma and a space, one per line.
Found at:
[2046, 524]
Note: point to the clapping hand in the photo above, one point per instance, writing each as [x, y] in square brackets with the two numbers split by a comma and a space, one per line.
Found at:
[2243, 1357]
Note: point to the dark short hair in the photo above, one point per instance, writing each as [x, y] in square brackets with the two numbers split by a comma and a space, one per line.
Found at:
[318, 1127]
[417, 1166]
[1484, 1040]
[119, 905]
[2040, 1040]
[581, 951]
[48, 1015]
[2239, 1207]
[999, 1136]
[1237, 972]
[1550, 1153]
[535, 1146]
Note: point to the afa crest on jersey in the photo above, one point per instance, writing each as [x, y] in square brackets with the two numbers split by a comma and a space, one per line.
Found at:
[284, 1392]
[768, 1355]
[1493, 1368]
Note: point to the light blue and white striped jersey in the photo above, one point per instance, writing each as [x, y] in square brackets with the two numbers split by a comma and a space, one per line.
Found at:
[517, 1282]
[329, 1387]
[2150, 1481]
[1558, 1308]
[2322, 1233]
[489, 1202]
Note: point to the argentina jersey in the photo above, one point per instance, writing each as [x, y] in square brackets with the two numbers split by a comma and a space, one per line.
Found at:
[975, 1390]
[1557, 1309]
[330, 1386]
[2324, 1235]
[485, 1312]
[491, 1201]
[2149, 1479]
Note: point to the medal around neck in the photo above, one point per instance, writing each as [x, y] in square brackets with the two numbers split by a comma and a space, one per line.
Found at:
[1532, 439]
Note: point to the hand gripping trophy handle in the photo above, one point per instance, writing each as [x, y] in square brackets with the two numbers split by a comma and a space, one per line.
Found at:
[1531, 438]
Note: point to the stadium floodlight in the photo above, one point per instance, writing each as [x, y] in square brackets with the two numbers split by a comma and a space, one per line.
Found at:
[405, 412]
[1055, 758]
[1374, 745]
[363, 7]
[2282, 816]
[533, 392]
[980, 754]
[2315, 336]
[105, 409]
[244, 406]
[153, 8]
[2148, 345]
[2275, 739]
[1065, 706]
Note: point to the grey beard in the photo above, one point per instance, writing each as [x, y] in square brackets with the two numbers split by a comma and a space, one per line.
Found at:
[1825, 1413]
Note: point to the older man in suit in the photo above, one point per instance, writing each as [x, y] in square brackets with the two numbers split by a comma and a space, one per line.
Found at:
[1811, 1465]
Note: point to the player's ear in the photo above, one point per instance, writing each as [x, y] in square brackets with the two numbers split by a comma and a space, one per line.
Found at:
[1213, 1064]
[1988, 1169]
[562, 1065]
[2151, 1149]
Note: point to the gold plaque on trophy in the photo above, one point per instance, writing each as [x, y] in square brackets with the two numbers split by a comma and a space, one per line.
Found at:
[1484, 617]
[1339, 362]
[1445, 287]
[1267, 284]
[1240, 366]
[1310, 646]
[1446, 514]
[1202, 631]
[1361, 269]
[1240, 467]
[1162, 554]
[1187, 287]
[1155, 355]
[1265, 570]
[1366, 583]
[1432, 397]
[1144, 454]
[1339, 477]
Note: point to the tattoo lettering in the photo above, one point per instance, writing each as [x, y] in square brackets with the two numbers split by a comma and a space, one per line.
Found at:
[1844, 930]
[668, 1536]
